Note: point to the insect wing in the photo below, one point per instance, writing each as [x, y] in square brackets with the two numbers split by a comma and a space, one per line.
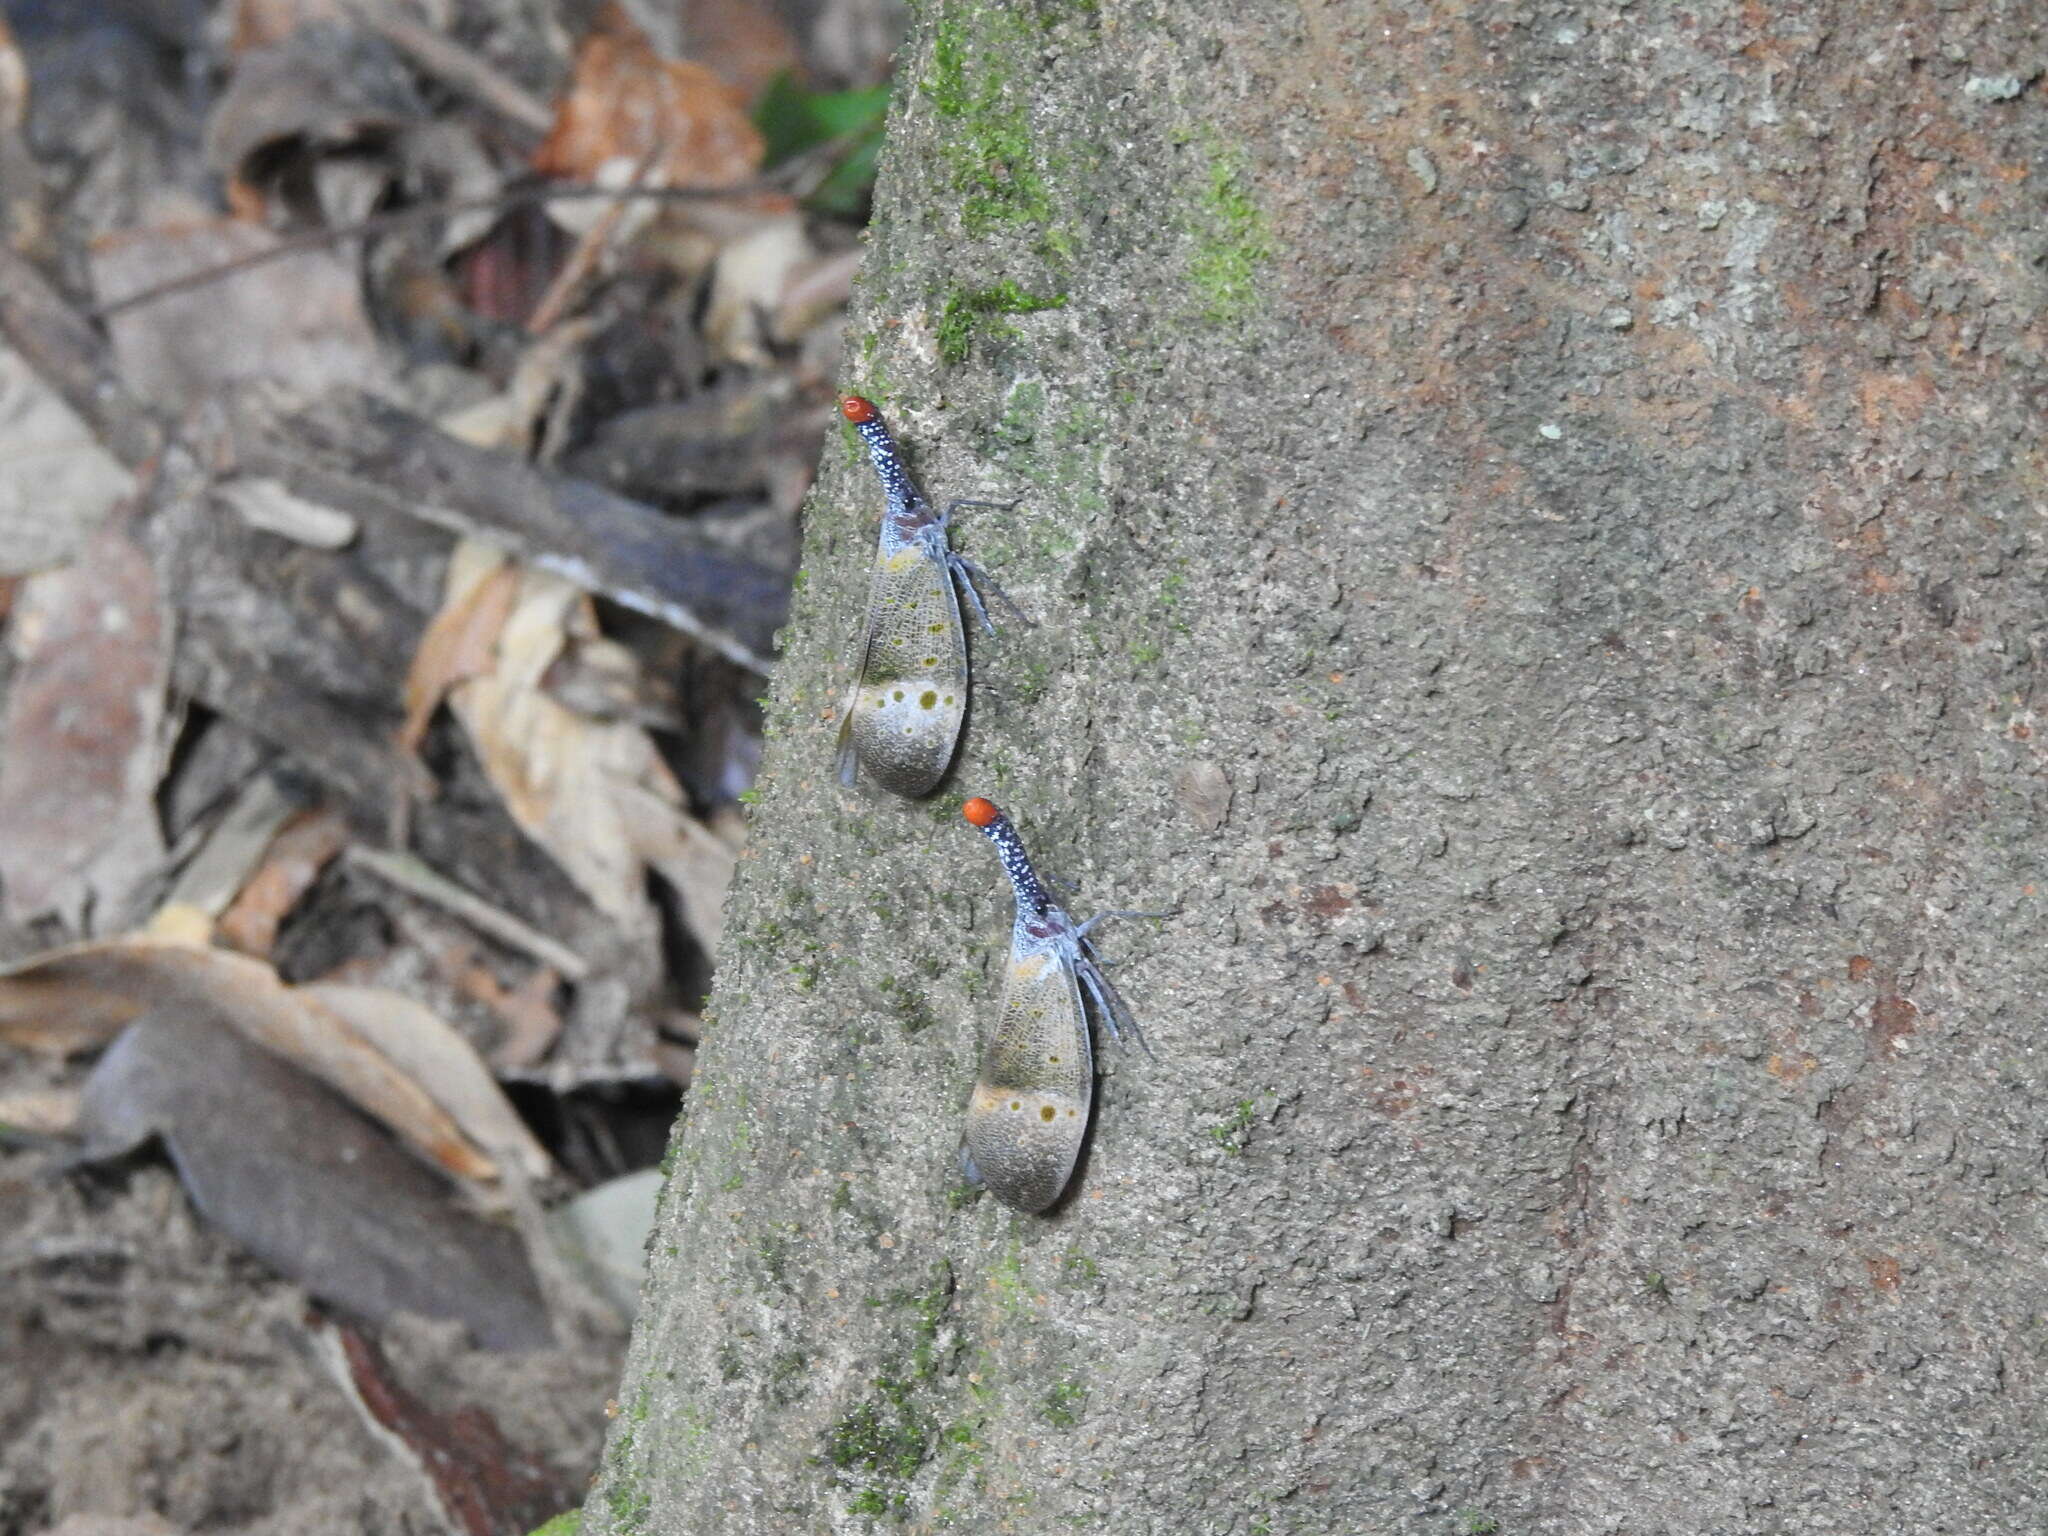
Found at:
[1029, 1112]
[907, 708]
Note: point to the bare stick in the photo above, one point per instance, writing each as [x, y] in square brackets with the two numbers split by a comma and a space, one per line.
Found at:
[416, 879]
[403, 218]
[456, 65]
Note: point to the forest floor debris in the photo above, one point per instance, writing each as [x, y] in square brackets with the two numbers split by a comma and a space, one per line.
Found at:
[411, 404]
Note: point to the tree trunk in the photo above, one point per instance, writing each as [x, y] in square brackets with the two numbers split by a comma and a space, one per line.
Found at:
[1535, 519]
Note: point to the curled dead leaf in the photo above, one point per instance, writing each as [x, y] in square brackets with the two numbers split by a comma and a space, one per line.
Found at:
[422, 1044]
[595, 794]
[461, 640]
[81, 998]
[627, 107]
[293, 861]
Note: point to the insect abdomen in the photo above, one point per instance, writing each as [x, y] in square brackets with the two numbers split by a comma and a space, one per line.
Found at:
[1029, 1112]
[904, 720]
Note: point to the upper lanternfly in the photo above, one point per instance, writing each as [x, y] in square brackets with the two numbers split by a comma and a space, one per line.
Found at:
[903, 720]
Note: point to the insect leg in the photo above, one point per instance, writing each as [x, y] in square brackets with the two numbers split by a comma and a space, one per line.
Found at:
[848, 761]
[971, 574]
[1081, 930]
[960, 570]
[1110, 1006]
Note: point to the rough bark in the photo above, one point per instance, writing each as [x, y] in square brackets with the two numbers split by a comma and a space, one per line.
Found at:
[1536, 517]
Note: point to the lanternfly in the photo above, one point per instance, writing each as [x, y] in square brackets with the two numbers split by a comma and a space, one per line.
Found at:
[903, 720]
[1029, 1111]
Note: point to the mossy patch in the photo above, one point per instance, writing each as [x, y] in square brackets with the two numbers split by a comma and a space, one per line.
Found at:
[627, 1501]
[1232, 238]
[1006, 1279]
[1023, 413]
[960, 1449]
[988, 151]
[913, 1012]
[880, 1444]
[886, 1438]
[1077, 1269]
[789, 1377]
[1064, 1404]
[979, 312]
[1230, 1133]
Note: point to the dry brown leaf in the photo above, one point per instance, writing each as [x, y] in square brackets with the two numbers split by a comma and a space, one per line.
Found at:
[459, 644]
[627, 107]
[179, 922]
[539, 399]
[233, 849]
[743, 41]
[594, 793]
[688, 855]
[296, 856]
[82, 748]
[422, 1044]
[24, 192]
[678, 1062]
[814, 290]
[305, 127]
[79, 998]
[303, 1181]
[483, 1483]
[13, 81]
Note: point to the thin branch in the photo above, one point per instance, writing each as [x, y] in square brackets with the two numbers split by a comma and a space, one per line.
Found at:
[404, 218]
[412, 876]
[589, 250]
[457, 66]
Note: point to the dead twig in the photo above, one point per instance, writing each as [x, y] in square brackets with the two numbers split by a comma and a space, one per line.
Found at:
[589, 251]
[413, 877]
[457, 66]
[65, 350]
[393, 219]
[360, 454]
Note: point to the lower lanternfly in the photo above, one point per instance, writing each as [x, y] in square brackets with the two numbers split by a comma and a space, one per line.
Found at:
[1029, 1112]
